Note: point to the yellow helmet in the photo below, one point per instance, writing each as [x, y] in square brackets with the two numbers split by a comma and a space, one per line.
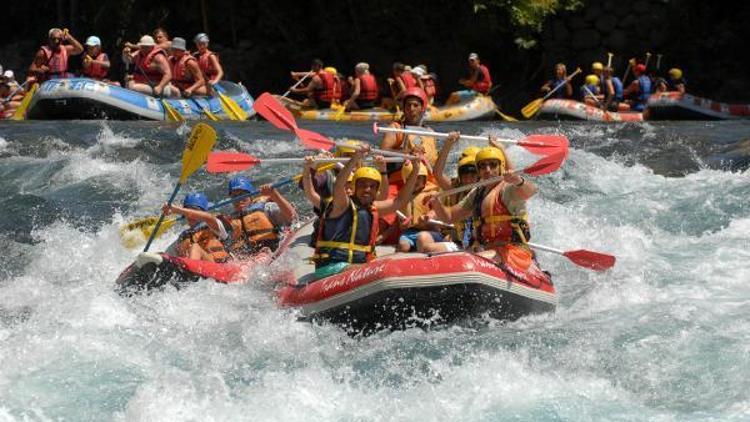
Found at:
[490, 153]
[597, 66]
[467, 161]
[350, 147]
[675, 73]
[366, 173]
[470, 152]
[592, 80]
[408, 168]
[331, 70]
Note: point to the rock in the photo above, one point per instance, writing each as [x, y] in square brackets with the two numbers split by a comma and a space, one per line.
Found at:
[585, 38]
[616, 41]
[606, 23]
[577, 22]
[593, 12]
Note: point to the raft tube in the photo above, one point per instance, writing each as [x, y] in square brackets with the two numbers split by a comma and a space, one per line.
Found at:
[564, 109]
[84, 98]
[677, 106]
[468, 107]
[401, 290]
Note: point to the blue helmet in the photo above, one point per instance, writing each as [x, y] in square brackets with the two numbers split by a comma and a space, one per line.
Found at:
[241, 183]
[196, 200]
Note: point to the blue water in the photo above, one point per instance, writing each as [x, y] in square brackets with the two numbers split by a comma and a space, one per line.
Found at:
[665, 335]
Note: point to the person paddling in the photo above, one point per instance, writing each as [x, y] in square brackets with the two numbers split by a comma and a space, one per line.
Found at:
[203, 240]
[51, 60]
[186, 74]
[561, 76]
[639, 90]
[152, 73]
[613, 90]
[96, 62]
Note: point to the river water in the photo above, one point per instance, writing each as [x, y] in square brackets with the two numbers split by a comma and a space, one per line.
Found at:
[665, 335]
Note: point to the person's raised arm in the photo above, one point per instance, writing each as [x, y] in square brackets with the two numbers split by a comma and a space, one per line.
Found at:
[74, 48]
[288, 212]
[204, 216]
[439, 170]
[307, 185]
[404, 195]
[381, 165]
[340, 197]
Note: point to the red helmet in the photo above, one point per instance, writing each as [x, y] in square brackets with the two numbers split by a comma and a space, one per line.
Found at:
[415, 92]
[640, 69]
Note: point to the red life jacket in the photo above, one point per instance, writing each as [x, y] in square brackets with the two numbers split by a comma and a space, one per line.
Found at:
[331, 89]
[408, 80]
[483, 85]
[497, 224]
[57, 61]
[368, 87]
[95, 70]
[143, 66]
[204, 62]
[429, 87]
[180, 77]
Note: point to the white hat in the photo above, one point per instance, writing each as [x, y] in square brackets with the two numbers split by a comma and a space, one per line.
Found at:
[179, 43]
[361, 67]
[146, 41]
[9, 75]
[473, 56]
[418, 71]
[93, 41]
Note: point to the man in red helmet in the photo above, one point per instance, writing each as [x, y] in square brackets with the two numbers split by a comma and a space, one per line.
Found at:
[639, 90]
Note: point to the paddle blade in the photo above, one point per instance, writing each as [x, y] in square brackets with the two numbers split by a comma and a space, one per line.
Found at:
[505, 116]
[231, 108]
[272, 110]
[314, 140]
[589, 259]
[532, 108]
[201, 140]
[546, 165]
[226, 162]
[170, 113]
[544, 144]
[133, 235]
[20, 112]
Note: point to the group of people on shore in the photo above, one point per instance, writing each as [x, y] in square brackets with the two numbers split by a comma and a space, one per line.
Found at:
[390, 203]
[603, 89]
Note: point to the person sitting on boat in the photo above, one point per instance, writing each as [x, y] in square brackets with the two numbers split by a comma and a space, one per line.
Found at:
[429, 82]
[597, 68]
[208, 60]
[203, 240]
[161, 37]
[51, 60]
[612, 90]
[365, 89]
[590, 91]
[256, 223]
[639, 90]
[479, 76]
[11, 93]
[500, 211]
[349, 229]
[561, 74]
[323, 90]
[95, 61]
[151, 70]
[186, 74]
[315, 67]
[676, 83]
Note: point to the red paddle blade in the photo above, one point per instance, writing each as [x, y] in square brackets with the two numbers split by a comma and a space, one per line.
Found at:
[227, 162]
[275, 112]
[590, 259]
[544, 144]
[314, 140]
[547, 164]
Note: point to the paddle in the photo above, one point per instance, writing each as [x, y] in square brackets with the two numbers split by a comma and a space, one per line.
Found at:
[201, 140]
[302, 79]
[545, 165]
[230, 107]
[272, 110]
[211, 116]
[583, 258]
[20, 112]
[15, 91]
[505, 116]
[648, 58]
[627, 70]
[533, 107]
[227, 162]
[170, 114]
[658, 61]
[537, 144]
[609, 59]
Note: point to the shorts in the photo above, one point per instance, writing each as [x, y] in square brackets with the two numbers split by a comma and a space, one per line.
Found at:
[410, 236]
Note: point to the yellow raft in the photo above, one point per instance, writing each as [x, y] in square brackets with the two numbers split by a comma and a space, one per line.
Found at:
[461, 106]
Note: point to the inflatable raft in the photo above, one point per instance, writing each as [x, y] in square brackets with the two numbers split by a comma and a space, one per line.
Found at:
[467, 107]
[399, 290]
[83, 98]
[563, 109]
[677, 106]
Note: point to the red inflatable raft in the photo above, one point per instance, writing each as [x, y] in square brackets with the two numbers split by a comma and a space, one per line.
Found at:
[562, 109]
[676, 106]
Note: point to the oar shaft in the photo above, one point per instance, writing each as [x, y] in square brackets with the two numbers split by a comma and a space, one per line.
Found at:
[323, 160]
[546, 248]
[161, 217]
[302, 79]
[561, 84]
[440, 135]
[490, 181]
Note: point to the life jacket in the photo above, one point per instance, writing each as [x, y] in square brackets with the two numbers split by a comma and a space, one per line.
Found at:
[560, 93]
[408, 80]
[496, 224]
[144, 73]
[57, 61]
[204, 62]
[484, 80]
[252, 230]
[95, 70]
[203, 236]
[368, 87]
[180, 77]
[430, 147]
[331, 89]
[617, 84]
[644, 85]
[430, 88]
[348, 238]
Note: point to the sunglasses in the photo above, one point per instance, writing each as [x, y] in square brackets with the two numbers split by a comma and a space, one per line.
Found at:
[490, 164]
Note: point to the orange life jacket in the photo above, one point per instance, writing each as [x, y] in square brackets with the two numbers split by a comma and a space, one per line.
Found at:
[252, 229]
[204, 62]
[180, 78]
[57, 61]
[496, 223]
[408, 80]
[430, 147]
[144, 72]
[483, 86]
[331, 89]
[368, 87]
[206, 239]
[95, 70]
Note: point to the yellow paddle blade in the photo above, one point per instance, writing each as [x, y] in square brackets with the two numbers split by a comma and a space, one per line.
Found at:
[200, 143]
[134, 234]
[532, 108]
[231, 108]
[171, 114]
[505, 116]
[20, 112]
